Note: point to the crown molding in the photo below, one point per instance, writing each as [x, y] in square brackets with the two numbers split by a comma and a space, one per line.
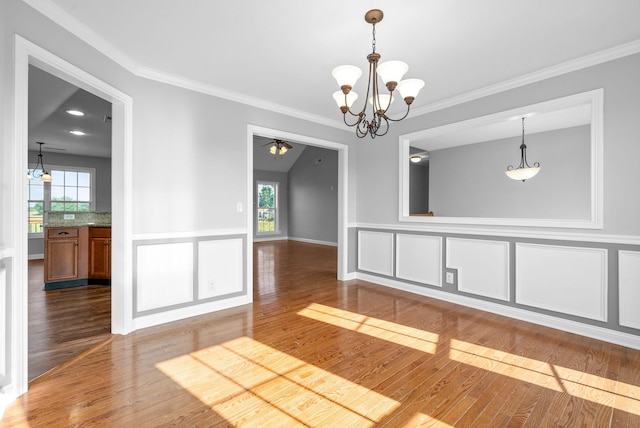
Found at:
[68, 22]
[169, 79]
[58, 15]
[616, 52]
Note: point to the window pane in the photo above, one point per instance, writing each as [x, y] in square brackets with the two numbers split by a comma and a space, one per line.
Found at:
[57, 206]
[70, 193]
[35, 217]
[70, 206]
[266, 195]
[36, 191]
[57, 193]
[84, 179]
[70, 178]
[58, 177]
[83, 206]
[84, 194]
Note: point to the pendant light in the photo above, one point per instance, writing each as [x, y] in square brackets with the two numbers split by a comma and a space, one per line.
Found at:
[523, 171]
[39, 171]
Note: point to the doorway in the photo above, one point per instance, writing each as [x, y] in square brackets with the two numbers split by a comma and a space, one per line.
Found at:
[27, 53]
[342, 150]
[65, 322]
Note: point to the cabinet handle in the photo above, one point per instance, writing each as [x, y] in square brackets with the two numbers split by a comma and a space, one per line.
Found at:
[75, 244]
[63, 233]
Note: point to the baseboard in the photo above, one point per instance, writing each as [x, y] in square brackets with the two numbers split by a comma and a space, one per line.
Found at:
[594, 332]
[314, 241]
[36, 256]
[271, 238]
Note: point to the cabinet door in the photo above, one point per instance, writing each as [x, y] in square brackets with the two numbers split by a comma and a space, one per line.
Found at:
[62, 259]
[99, 258]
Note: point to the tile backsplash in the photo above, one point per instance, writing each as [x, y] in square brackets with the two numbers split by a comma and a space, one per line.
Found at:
[58, 218]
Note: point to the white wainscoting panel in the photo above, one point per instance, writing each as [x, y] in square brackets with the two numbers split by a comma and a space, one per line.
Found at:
[164, 275]
[419, 258]
[570, 280]
[483, 266]
[220, 267]
[629, 288]
[375, 252]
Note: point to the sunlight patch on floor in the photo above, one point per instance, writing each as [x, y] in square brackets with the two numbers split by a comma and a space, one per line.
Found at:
[399, 334]
[248, 382]
[600, 390]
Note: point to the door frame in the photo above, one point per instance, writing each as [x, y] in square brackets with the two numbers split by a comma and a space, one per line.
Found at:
[343, 174]
[27, 53]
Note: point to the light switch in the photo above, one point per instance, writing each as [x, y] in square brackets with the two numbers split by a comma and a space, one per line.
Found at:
[239, 207]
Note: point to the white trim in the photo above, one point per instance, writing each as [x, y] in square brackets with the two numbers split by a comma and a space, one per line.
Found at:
[192, 311]
[595, 332]
[27, 53]
[586, 61]
[215, 91]
[314, 241]
[514, 233]
[84, 33]
[343, 182]
[595, 220]
[36, 256]
[273, 238]
[189, 234]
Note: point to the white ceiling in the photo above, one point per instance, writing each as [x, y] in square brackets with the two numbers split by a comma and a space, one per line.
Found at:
[280, 54]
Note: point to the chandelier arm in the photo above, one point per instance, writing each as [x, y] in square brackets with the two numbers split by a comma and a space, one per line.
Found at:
[400, 118]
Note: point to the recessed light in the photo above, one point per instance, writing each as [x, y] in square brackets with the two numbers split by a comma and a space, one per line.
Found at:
[74, 112]
[76, 132]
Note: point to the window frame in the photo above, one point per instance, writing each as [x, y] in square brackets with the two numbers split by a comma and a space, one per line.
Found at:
[46, 201]
[276, 209]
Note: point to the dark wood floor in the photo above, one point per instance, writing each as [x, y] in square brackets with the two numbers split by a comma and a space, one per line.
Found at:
[64, 323]
[313, 351]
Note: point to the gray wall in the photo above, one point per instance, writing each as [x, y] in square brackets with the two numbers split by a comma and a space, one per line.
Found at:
[469, 181]
[419, 188]
[282, 179]
[102, 177]
[377, 173]
[313, 196]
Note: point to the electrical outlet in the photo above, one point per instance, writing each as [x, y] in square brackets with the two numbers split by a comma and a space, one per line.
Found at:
[449, 278]
[211, 286]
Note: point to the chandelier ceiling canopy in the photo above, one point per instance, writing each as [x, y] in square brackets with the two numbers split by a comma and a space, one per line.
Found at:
[390, 72]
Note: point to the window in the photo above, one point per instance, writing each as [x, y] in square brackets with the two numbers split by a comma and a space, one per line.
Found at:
[71, 190]
[267, 214]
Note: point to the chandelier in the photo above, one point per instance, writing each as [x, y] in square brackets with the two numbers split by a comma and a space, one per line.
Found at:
[523, 171]
[39, 171]
[390, 72]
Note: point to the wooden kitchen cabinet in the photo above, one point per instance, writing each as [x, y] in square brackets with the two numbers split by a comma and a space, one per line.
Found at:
[65, 254]
[77, 256]
[100, 252]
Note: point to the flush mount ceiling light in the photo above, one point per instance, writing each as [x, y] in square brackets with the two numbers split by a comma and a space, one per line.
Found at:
[415, 158]
[278, 147]
[523, 171]
[78, 133]
[390, 72]
[74, 112]
[39, 171]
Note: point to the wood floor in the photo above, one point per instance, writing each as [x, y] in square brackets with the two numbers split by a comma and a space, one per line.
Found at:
[313, 351]
[64, 323]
